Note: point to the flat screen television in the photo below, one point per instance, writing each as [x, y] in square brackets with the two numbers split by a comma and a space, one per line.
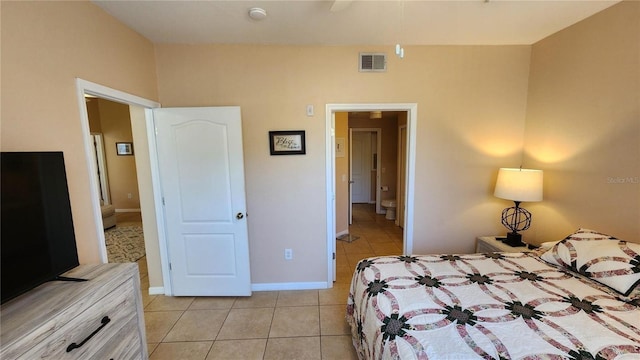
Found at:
[37, 238]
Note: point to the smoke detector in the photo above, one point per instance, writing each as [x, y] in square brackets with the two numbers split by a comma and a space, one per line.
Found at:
[257, 13]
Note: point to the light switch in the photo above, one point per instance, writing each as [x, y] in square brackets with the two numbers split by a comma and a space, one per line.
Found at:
[309, 110]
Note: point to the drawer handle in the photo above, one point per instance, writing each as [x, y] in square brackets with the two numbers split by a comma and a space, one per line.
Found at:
[105, 320]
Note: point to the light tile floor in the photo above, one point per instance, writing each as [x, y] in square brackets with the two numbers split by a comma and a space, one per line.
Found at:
[305, 324]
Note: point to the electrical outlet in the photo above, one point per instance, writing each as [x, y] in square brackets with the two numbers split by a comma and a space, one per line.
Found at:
[130, 196]
[288, 254]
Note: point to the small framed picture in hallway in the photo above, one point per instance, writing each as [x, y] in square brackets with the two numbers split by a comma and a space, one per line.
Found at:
[287, 142]
[124, 148]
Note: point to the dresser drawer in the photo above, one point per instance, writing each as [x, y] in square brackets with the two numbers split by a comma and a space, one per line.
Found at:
[118, 306]
[125, 345]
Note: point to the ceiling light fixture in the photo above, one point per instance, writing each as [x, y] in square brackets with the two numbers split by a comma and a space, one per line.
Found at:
[257, 13]
[375, 115]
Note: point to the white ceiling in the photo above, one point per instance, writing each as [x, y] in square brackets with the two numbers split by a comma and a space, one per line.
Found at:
[311, 22]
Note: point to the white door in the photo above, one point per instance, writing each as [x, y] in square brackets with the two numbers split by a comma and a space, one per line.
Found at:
[202, 175]
[360, 167]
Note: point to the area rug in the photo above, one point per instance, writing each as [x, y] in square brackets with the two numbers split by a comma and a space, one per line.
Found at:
[348, 238]
[124, 244]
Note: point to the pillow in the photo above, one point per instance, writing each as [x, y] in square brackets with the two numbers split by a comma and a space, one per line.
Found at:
[603, 258]
[544, 247]
[548, 245]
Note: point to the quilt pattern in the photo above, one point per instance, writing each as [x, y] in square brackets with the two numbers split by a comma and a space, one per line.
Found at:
[485, 306]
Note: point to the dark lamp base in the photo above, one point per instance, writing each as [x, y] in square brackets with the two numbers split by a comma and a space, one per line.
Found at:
[514, 239]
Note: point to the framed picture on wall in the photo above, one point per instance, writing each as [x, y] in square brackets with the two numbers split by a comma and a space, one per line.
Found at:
[124, 148]
[287, 142]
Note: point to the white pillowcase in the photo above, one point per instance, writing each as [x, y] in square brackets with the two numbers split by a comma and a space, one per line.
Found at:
[548, 245]
[603, 258]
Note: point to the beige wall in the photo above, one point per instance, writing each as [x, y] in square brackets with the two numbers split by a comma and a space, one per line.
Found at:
[471, 110]
[123, 180]
[583, 126]
[342, 175]
[471, 119]
[45, 47]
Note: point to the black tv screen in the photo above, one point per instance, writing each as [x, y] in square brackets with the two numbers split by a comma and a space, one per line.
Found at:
[37, 238]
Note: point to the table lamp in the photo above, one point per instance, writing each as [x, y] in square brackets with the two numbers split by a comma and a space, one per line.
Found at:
[518, 185]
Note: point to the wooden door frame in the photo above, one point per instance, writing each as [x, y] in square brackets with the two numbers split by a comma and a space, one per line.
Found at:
[330, 173]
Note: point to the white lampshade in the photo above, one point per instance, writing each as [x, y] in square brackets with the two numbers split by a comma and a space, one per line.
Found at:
[519, 184]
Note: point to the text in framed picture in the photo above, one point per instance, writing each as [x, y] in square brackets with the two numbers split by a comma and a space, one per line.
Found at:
[124, 148]
[287, 142]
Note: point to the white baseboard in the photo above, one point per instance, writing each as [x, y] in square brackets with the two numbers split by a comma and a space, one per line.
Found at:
[128, 210]
[159, 290]
[345, 232]
[156, 290]
[290, 286]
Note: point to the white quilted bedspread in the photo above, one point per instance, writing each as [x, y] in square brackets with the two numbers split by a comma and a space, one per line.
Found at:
[485, 306]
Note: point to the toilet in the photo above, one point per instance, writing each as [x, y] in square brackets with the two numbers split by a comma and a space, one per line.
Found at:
[390, 205]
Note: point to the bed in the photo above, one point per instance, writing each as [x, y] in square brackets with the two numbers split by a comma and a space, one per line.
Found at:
[577, 300]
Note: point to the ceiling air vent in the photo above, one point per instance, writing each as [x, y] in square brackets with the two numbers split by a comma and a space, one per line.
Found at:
[376, 62]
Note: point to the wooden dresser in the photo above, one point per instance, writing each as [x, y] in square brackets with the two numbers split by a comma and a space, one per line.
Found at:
[47, 321]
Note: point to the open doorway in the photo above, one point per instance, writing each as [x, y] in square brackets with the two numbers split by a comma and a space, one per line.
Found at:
[334, 160]
[148, 181]
[115, 159]
[364, 146]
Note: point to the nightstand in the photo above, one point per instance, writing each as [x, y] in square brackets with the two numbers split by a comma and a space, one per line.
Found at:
[486, 244]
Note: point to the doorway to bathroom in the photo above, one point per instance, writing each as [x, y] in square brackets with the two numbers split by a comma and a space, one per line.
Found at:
[377, 172]
[391, 169]
[365, 153]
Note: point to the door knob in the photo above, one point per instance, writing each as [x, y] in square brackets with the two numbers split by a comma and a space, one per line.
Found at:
[239, 216]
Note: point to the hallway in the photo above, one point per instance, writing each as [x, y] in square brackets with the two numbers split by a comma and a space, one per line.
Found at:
[377, 236]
